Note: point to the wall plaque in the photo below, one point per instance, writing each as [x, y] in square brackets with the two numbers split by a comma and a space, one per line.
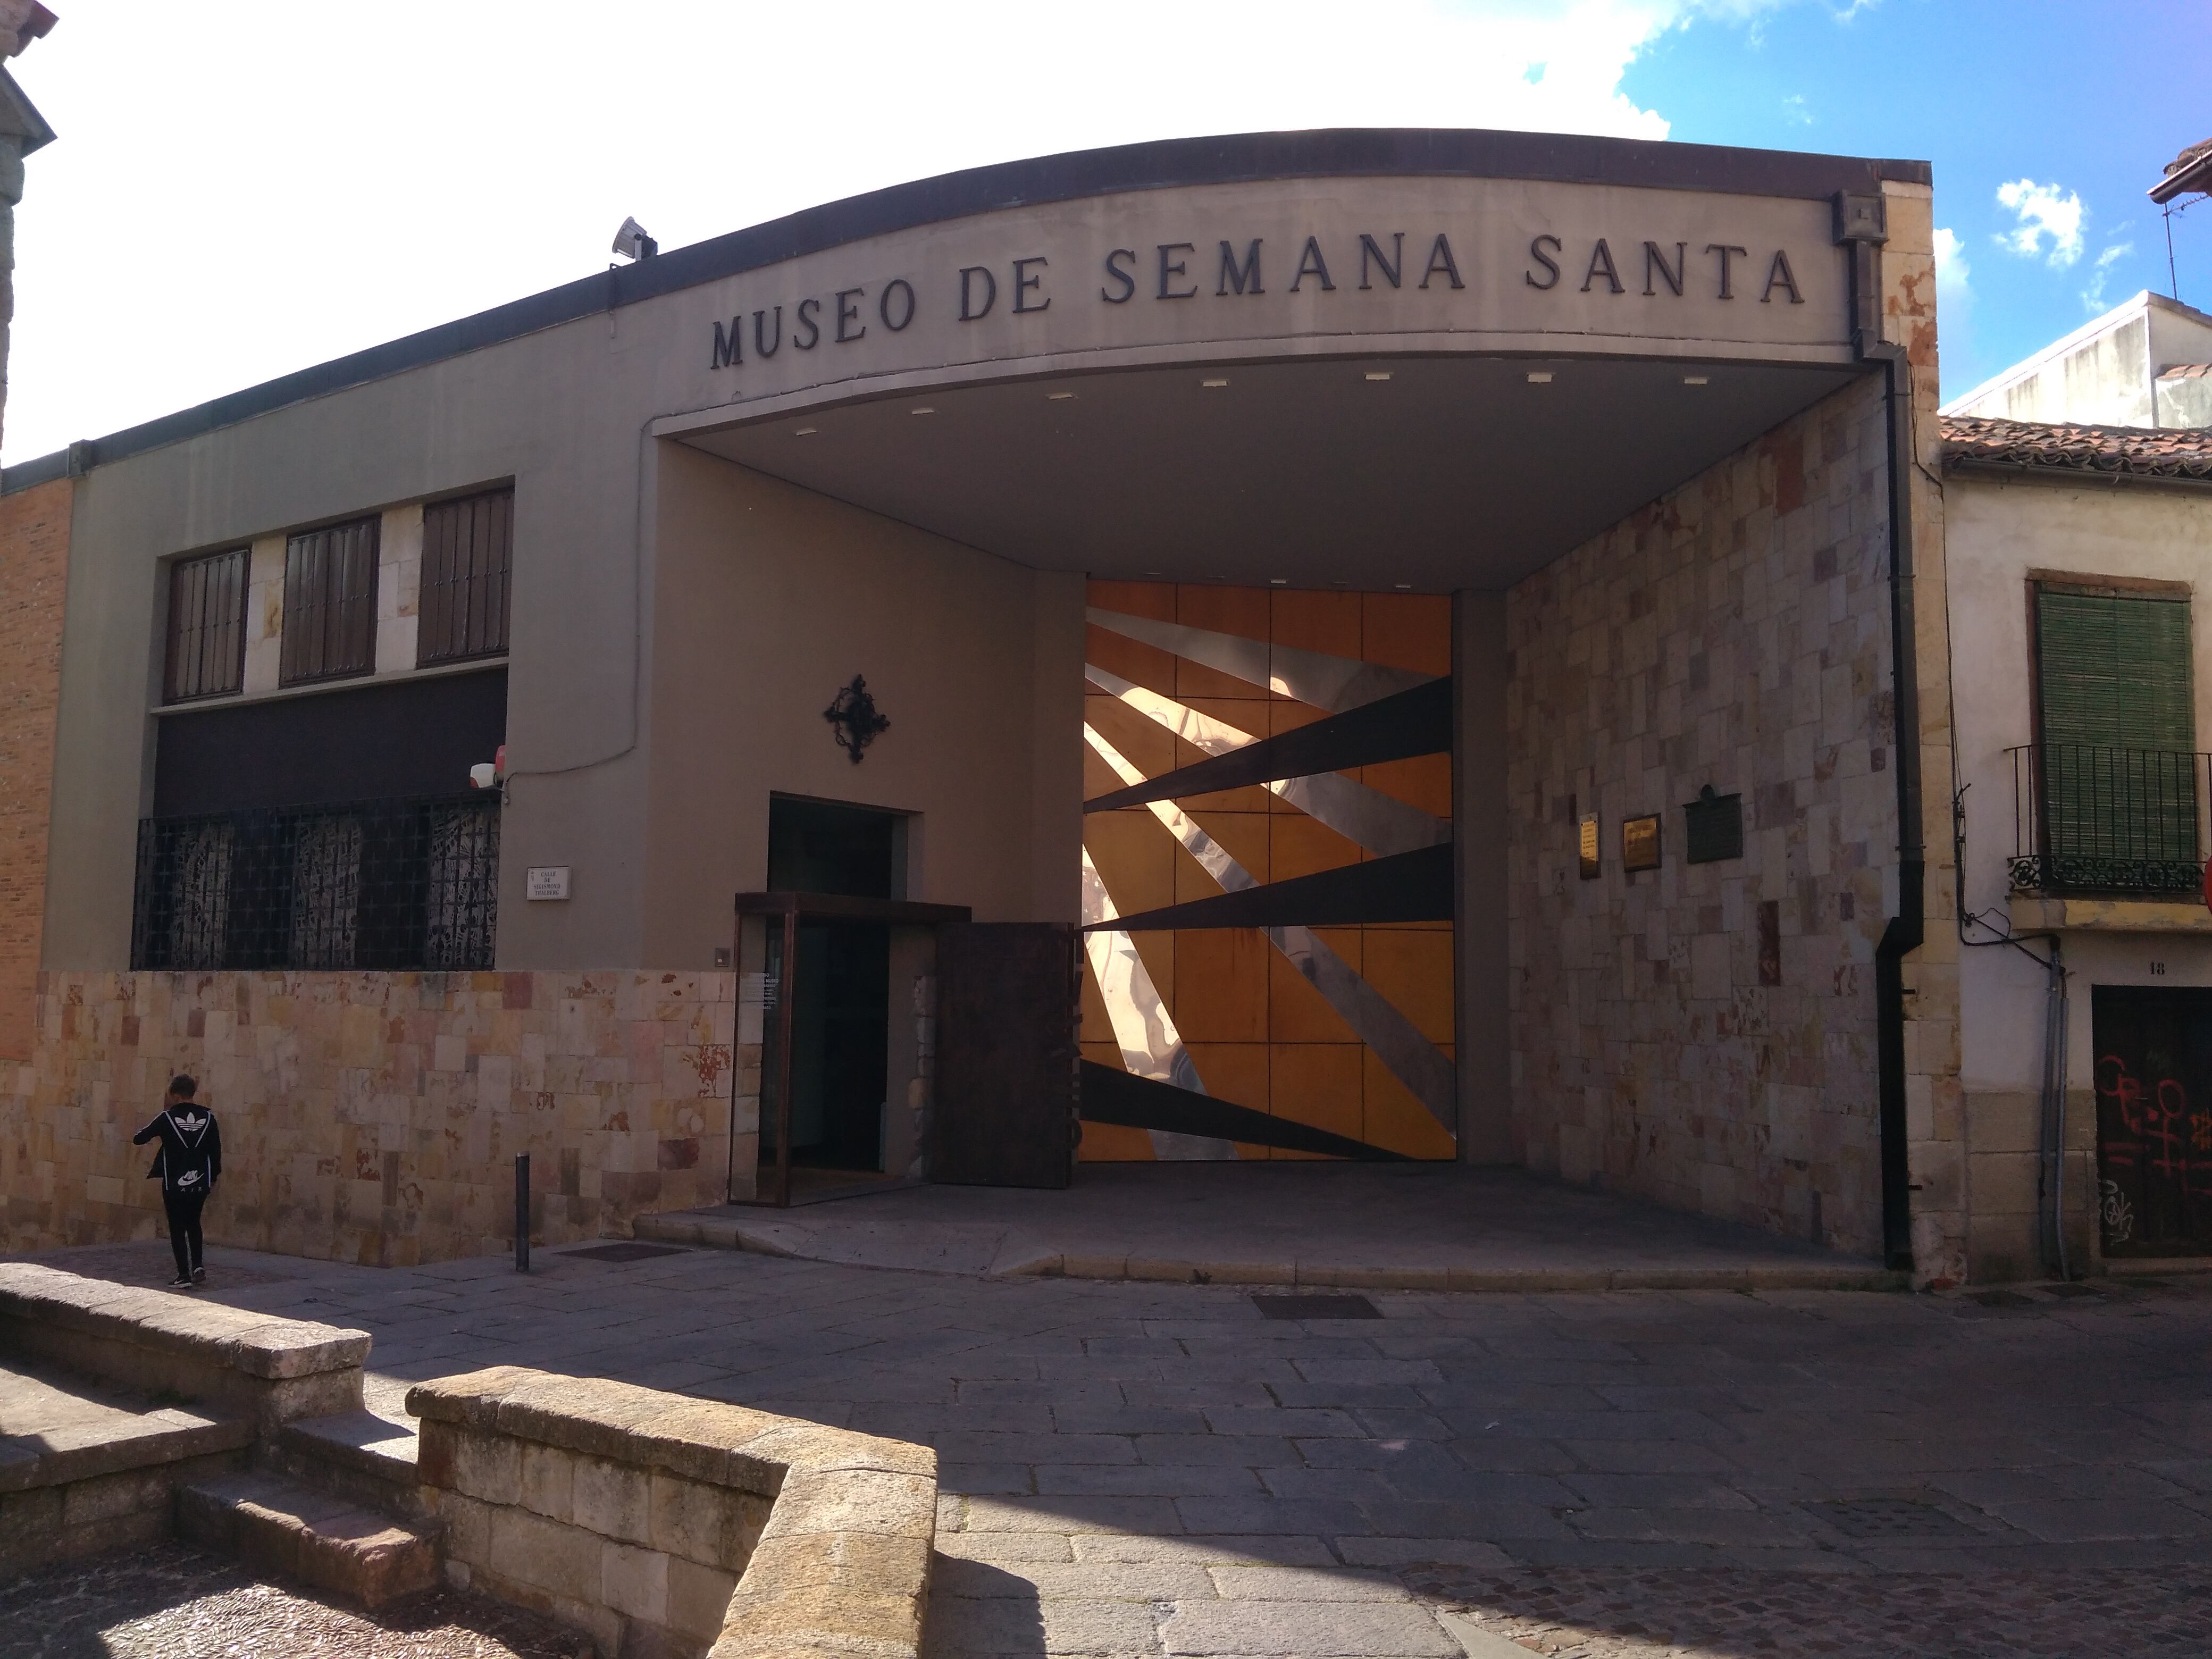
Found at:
[547, 881]
[1715, 827]
[1586, 836]
[1639, 843]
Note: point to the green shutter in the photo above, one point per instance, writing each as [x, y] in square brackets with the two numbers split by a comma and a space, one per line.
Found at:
[2117, 731]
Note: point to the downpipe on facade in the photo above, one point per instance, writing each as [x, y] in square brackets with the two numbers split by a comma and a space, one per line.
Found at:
[1861, 223]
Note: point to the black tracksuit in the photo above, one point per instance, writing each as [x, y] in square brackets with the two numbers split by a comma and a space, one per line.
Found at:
[188, 1165]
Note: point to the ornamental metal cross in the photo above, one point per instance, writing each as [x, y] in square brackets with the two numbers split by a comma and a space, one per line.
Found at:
[853, 714]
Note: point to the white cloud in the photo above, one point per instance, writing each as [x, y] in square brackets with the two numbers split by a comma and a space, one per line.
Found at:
[2045, 212]
[227, 205]
[1952, 271]
[2093, 297]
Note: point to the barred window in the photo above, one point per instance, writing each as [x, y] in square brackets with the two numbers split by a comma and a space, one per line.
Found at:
[330, 602]
[366, 885]
[468, 546]
[207, 627]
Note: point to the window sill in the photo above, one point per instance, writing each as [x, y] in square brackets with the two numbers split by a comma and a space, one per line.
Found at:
[2033, 914]
[320, 688]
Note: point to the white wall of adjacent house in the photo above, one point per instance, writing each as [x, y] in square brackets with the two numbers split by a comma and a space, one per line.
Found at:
[2107, 372]
[2000, 535]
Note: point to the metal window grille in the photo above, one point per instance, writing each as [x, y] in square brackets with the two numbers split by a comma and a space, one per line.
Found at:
[468, 548]
[2088, 818]
[206, 653]
[330, 602]
[382, 885]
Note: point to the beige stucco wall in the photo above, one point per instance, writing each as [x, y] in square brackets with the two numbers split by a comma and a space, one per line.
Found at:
[1999, 531]
[768, 599]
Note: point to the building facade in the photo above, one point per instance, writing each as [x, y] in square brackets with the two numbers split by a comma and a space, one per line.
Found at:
[2082, 701]
[2146, 363]
[1446, 630]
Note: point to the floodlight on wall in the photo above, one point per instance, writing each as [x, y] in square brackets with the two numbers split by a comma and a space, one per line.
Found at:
[491, 774]
[632, 243]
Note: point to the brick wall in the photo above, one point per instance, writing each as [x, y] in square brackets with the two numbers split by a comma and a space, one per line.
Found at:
[374, 1117]
[1705, 1035]
[34, 532]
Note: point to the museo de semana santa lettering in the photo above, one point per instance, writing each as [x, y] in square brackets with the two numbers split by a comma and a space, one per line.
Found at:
[1175, 270]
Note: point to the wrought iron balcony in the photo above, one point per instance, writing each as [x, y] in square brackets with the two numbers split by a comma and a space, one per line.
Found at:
[2122, 822]
[391, 884]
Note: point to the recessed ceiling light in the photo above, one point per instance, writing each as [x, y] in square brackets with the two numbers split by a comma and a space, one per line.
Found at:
[1696, 379]
[1213, 383]
[1154, 573]
[1539, 377]
[1378, 373]
[924, 409]
[1278, 581]
[805, 432]
[1405, 588]
[1058, 396]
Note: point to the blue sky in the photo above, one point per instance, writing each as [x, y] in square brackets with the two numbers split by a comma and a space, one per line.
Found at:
[227, 204]
[2088, 100]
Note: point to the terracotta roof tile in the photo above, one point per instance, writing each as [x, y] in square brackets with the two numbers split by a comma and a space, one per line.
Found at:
[2144, 452]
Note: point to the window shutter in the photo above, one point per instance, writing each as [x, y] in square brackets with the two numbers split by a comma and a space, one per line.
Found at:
[2117, 727]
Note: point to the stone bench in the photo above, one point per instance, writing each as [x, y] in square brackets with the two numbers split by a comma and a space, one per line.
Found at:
[262, 1370]
[664, 1524]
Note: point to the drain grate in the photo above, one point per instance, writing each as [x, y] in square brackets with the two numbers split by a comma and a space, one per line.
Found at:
[1315, 1307]
[2003, 1299]
[1889, 1517]
[622, 1252]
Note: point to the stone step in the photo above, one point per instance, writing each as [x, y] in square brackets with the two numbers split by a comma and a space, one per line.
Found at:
[273, 1524]
[358, 1455]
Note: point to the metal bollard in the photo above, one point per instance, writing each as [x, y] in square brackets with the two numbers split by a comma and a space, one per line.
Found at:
[522, 1212]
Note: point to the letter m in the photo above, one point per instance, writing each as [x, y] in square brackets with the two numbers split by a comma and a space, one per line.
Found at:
[729, 348]
[1232, 276]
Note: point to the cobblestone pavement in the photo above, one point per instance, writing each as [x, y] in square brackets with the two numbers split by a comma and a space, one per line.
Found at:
[169, 1602]
[1150, 1469]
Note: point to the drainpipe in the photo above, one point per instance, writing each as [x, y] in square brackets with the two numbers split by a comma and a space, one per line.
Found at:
[1861, 224]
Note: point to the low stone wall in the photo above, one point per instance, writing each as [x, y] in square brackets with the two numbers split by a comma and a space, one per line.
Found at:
[261, 1368]
[374, 1117]
[85, 1471]
[665, 1525]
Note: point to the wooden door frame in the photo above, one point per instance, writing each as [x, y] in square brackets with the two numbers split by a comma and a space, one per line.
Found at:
[785, 910]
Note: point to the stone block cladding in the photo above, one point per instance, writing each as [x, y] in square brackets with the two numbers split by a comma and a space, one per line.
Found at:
[374, 1117]
[665, 1525]
[1705, 1035]
[34, 535]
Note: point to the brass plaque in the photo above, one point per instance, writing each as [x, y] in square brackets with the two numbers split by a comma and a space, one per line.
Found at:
[1639, 843]
[1588, 847]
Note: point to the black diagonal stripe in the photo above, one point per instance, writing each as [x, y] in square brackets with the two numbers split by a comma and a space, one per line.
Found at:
[1414, 886]
[1113, 1096]
[1397, 727]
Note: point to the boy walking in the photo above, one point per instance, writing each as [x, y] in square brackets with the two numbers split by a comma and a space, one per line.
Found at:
[188, 1164]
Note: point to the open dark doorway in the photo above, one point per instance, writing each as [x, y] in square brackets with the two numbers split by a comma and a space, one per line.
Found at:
[840, 1028]
[839, 981]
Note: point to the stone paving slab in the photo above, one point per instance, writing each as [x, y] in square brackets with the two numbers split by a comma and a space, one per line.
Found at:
[1426, 1227]
[1293, 1487]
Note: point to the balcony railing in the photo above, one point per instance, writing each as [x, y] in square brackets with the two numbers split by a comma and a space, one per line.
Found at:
[393, 885]
[2091, 819]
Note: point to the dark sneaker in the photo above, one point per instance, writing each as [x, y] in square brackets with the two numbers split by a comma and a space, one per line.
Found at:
[180, 1283]
[199, 1275]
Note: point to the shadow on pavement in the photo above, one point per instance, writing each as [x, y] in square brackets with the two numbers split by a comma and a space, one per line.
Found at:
[169, 1601]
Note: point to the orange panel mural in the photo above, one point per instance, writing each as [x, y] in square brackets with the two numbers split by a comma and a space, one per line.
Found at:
[1268, 889]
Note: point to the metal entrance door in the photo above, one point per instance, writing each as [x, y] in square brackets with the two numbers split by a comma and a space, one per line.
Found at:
[2153, 1119]
[1007, 1007]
